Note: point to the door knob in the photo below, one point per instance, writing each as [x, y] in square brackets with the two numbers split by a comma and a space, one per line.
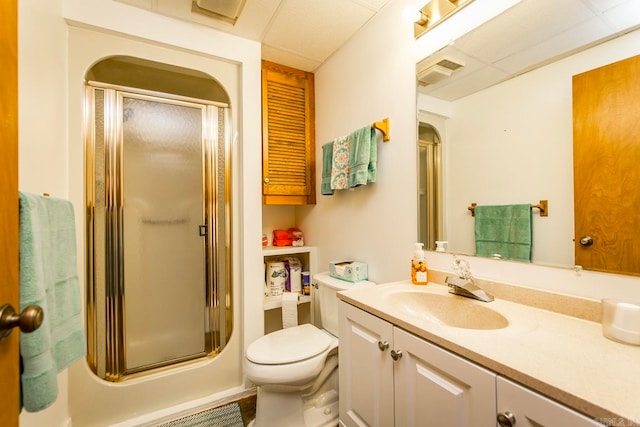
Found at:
[586, 241]
[383, 345]
[28, 321]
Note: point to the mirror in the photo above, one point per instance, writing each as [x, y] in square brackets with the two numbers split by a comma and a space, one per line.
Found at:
[505, 92]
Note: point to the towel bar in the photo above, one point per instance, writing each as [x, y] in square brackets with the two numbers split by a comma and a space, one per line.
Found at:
[383, 126]
[543, 206]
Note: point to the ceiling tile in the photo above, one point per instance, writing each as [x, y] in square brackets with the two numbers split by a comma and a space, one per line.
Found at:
[315, 28]
[560, 45]
[470, 83]
[288, 58]
[374, 4]
[527, 24]
[623, 16]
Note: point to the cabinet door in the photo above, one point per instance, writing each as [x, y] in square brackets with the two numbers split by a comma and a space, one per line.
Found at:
[288, 135]
[366, 370]
[533, 410]
[434, 387]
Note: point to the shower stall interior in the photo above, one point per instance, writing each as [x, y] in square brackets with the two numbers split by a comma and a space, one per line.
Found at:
[158, 226]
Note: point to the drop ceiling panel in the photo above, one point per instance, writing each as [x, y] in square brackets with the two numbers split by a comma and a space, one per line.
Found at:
[602, 5]
[567, 41]
[376, 5]
[470, 83]
[288, 58]
[527, 24]
[625, 15]
[315, 29]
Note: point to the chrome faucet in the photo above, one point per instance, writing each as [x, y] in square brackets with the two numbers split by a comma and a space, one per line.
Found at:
[464, 284]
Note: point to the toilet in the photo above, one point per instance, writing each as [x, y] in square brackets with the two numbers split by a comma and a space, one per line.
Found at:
[296, 369]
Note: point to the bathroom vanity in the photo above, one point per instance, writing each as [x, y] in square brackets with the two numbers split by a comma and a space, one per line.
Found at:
[414, 354]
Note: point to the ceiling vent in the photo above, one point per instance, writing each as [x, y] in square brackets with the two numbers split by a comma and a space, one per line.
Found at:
[434, 73]
[225, 10]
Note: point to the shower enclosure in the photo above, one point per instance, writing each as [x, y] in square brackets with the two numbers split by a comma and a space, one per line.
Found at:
[158, 229]
[429, 185]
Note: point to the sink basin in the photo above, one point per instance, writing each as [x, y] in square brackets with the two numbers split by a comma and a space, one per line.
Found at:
[449, 310]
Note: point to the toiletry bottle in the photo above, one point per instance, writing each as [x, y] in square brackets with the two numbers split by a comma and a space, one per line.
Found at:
[419, 266]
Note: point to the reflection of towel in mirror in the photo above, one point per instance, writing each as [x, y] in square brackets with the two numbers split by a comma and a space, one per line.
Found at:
[340, 164]
[504, 230]
[362, 157]
[327, 163]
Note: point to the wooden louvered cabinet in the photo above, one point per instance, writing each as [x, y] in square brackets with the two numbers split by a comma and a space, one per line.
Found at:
[288, 136]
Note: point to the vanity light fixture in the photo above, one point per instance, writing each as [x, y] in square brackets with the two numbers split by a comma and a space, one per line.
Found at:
[435, 12]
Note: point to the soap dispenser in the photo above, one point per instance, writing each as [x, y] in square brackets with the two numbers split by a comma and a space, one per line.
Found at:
[419, 266]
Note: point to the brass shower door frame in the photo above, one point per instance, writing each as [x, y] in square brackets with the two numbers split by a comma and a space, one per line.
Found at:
[105, 293]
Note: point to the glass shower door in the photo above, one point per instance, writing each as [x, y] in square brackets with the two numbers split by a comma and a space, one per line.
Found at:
[159, 288]
[163, 230]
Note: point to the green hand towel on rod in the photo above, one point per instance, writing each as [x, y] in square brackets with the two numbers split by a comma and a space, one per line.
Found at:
[504, 231]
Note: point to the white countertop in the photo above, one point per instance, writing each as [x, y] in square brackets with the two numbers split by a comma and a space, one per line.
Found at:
[563, 357]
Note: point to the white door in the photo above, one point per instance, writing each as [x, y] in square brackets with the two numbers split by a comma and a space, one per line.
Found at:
[434, 387]
[366, 369]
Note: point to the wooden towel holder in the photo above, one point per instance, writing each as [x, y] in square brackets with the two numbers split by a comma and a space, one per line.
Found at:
[383, 126]
[543, 206]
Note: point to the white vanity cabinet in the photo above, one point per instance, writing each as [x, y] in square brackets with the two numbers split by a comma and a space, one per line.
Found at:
[391, 377]
[520, 407]
[366, 369]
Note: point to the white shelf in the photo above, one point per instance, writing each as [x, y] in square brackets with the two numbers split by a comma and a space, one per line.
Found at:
[286, 250]
[276, 302]
[309, 259]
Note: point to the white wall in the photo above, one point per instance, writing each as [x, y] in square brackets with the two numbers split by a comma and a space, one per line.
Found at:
[52, 64]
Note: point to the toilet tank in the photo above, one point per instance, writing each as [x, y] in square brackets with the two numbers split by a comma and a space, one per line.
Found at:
[325, 299]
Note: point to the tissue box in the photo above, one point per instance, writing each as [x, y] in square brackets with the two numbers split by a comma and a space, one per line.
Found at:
[351, 271]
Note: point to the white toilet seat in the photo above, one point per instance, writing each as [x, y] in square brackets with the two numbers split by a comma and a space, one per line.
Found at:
[288, 345]
[311, 350]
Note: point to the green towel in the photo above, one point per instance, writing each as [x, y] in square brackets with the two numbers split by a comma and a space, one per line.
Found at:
[48, 278]
[362, 157]
[504, 230]
[327, 163]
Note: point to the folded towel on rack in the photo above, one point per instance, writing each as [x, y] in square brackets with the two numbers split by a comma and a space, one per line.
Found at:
[327, 163]
[362, 156]
[504, 231]
[340, 163]
[48, 278]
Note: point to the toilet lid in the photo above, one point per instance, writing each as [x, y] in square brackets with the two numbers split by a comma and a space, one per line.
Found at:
[288, 345]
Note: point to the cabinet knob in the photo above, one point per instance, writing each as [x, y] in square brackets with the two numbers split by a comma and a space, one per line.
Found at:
[266, 180]
[506, 419]
[383, 345]
[395, 355]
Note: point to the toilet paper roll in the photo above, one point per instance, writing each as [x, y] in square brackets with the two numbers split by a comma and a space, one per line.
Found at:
[289, 309]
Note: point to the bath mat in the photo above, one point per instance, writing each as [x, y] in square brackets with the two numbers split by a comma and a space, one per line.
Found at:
[224, 416]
